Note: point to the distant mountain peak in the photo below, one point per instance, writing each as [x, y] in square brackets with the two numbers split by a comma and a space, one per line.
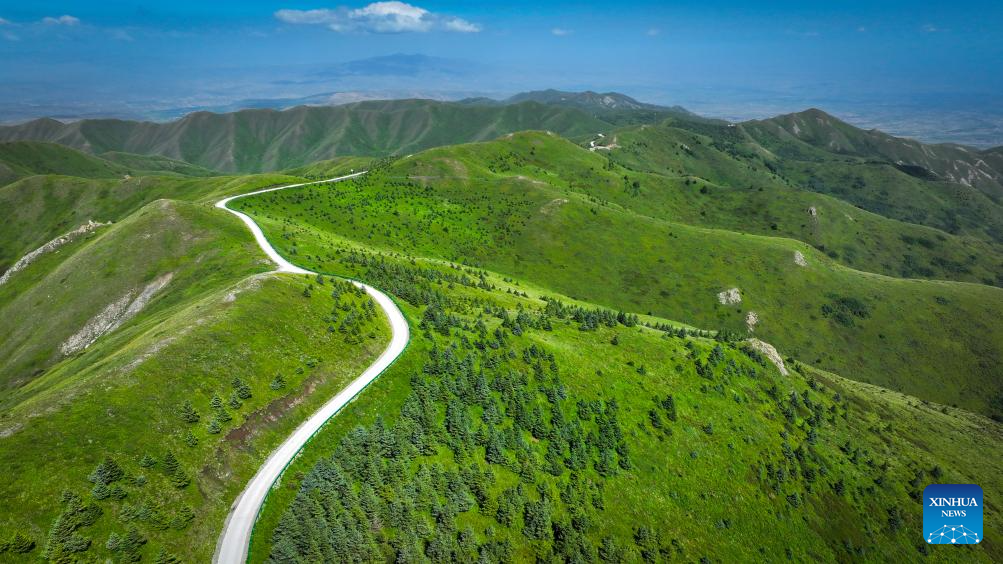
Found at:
[585, 100]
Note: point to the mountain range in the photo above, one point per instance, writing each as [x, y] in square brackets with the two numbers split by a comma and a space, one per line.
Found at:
[629, 326]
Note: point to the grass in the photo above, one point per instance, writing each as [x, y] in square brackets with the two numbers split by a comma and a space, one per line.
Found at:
[44, 207]
[331, 168]
[27, 158]
[706, 494]
[942, 186]
[217, 319]
[868, 215]
[19, 159]
[152, 165]
[476, 228]
[936, 340]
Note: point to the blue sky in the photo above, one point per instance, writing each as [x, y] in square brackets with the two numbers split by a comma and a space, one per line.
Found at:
[737, 56]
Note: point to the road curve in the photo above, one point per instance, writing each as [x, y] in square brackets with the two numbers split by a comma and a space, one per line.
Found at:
[233, 543]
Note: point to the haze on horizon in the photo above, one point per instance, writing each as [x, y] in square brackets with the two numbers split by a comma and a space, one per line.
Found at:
[923, 69]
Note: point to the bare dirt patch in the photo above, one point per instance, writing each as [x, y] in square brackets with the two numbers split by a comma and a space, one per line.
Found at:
[275, 410]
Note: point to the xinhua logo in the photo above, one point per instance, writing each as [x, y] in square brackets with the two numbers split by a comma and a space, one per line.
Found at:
[952, 514]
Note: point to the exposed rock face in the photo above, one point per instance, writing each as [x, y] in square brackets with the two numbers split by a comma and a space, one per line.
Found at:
[113, 316]
[751, 319]
[52, 245]
[799, 259]
[770, 353]
[730, 297]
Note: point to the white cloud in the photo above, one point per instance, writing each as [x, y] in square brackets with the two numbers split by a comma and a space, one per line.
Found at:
[861, 29]
[378, 17]
[61, 20]
[653, 32]
[8, 36]
[4, 21]
[392, 17]
[930, 28]
[561, 32]
[460, 25]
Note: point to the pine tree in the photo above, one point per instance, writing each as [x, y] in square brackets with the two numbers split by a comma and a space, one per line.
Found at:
[188, 413]
[180, 479]
[114, 542]
[894, 519]
[536, 520]
[493, 450]
[669, 405]
[222, 415]
[171, 463]
[278, 382]
[164, 557]
[839, 487]
[107, 471]
[20, 543]
[117, 492]
[131, 545]
[610, 551]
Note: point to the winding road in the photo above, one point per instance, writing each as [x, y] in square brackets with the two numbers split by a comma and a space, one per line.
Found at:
[234, 541]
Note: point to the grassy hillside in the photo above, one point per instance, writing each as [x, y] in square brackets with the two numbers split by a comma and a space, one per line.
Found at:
[731, 157]
[953, 188]
[155, 164]
[262, 140]
[936, 340]
[517, 429]
[331, 167]
[41, 208]
[954, 163]
[26, 158]
[154, 242]
[707, 187]
[523, 421]
[151, 431]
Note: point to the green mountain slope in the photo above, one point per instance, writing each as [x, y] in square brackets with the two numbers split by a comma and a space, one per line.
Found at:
[942, 230]
[26, 158]
[707, 187]
[258, 140]
[516, 428]
[129, 470]
[253, 353]
[950, 187]
[953, 163]
[936, 340]
[155, 164]
[41, 208]
[752, 154]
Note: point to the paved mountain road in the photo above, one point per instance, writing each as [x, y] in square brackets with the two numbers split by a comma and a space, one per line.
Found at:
[233, 543]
